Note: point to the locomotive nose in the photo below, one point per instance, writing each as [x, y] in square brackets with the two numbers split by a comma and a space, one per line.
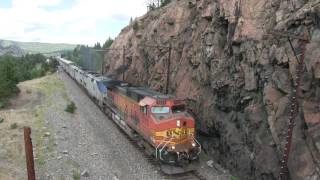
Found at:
[181, 122]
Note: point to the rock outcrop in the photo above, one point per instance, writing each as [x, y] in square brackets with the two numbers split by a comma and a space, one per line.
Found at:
[236, 76]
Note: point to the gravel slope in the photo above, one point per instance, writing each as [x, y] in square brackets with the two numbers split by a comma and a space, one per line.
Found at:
[88, 141]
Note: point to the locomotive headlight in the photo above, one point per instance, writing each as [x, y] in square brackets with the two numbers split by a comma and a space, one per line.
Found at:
[194, 144]
[173, 147]
[178, 123]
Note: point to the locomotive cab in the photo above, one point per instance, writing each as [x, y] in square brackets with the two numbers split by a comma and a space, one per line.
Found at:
[174, 136]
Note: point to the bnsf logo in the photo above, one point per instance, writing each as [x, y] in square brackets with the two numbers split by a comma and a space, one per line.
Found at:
[177, 132]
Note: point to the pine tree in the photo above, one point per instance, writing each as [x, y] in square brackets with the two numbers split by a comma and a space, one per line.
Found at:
[108, 43]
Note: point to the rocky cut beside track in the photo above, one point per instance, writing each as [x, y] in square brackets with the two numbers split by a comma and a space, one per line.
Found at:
[236, 75]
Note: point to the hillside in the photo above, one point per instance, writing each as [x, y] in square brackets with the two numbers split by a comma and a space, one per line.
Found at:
[236, 75]
[21, 48]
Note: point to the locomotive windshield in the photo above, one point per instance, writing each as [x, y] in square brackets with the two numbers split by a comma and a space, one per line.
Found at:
[178, 108]
[160, 110]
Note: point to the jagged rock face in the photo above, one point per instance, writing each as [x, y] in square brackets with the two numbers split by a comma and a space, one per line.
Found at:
[236, 76]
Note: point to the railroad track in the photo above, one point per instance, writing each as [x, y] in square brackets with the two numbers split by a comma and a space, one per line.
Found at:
[193, 175]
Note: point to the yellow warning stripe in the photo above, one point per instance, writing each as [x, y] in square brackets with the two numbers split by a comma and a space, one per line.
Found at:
[175, 132]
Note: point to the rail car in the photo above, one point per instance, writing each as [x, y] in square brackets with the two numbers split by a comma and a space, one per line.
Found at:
[158, 122]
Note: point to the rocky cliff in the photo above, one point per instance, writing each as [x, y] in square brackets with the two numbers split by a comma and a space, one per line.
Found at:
[236, 76]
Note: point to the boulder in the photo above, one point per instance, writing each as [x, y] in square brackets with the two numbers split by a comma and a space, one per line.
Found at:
[47, 134]
[85, 173]
[210, 163]
[281, 80]
[316, 69]
[311, 113]
[271, 97]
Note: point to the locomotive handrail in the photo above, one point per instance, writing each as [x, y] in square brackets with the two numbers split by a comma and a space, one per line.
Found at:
[165, 145]
[160, 145]
[157, 149]
[198, 144]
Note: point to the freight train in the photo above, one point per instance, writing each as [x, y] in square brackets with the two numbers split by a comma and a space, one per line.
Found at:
[157, 122]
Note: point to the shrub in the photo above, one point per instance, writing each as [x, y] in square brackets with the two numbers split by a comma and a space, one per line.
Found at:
[1, 120]
[3, 103]
[16, 69]
[71, 107]
[14, 126]
[76, 174]
[234, 178]
[164, 2]
[135, 26]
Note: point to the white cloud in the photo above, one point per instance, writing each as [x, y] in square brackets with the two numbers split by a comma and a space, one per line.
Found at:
[29, 20]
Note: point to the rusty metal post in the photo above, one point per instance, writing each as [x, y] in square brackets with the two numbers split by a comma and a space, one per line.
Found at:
[29, 153]
[294, 105]
[124, 62]
[168, 69]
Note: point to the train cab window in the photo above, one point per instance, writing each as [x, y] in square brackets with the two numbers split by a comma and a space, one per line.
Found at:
[144, 109]
[160, 110]
[178, 108]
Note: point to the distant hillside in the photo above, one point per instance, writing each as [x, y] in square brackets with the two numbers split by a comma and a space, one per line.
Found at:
[11, 49]
[19, 48]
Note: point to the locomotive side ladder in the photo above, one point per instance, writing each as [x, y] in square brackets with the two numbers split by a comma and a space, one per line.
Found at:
[293, 101]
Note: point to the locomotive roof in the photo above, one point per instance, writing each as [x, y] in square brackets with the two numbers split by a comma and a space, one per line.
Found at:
[65, 61]
[138, 93]
[148, 92]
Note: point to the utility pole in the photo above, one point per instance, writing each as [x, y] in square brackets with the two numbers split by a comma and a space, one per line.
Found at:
[123, 62]
[168, 69]
[102, 64]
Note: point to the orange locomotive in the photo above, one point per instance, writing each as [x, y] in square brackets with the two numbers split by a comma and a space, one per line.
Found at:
[160, 120]
[157, 122]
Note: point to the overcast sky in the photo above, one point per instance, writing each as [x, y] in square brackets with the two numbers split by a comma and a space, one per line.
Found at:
[66, 21]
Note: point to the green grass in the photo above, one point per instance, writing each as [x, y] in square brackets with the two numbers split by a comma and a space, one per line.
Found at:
[14, 126]
[76, 174]
[71, 107]
[49, 87]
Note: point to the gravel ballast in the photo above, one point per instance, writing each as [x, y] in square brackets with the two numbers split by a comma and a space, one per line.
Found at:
[88, 143]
